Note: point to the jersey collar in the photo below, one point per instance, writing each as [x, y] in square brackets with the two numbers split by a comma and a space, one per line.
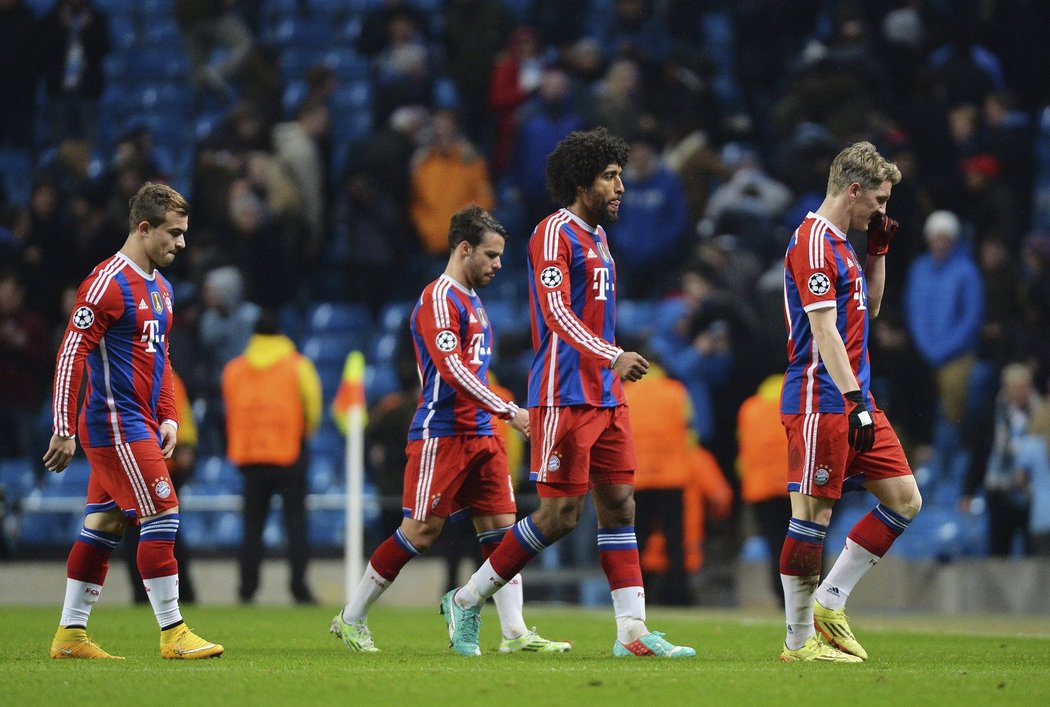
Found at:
[459, 286]
[136, 268]
[831, 226]
[580, 222]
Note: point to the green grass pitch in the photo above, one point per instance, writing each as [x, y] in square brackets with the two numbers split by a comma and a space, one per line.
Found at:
[285, 656]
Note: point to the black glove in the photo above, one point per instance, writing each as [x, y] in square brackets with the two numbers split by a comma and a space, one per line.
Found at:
[861, 426]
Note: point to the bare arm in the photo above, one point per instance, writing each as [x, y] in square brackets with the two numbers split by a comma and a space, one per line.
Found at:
[831, 349]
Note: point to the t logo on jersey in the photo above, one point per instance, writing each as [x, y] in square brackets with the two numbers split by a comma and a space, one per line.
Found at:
[151, 335]
[477, 348]
[601, 284]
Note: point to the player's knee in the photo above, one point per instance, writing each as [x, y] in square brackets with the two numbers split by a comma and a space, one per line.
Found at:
[911, 507]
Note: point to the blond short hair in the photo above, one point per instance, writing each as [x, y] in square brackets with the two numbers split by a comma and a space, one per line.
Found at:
[861, 163]
[152, 202]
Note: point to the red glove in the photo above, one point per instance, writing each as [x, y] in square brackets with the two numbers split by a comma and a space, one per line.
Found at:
[880, 233]
[861, 426]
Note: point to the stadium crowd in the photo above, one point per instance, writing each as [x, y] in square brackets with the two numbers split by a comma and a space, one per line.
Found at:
[324, 145]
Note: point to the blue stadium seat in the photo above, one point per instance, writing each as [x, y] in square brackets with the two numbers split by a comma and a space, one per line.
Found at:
[394, 316]
[16, 169]
[380, 379]
[154, 10]
[122, 31]
[216, 475]
[324, 348]
[16, 478]
[325, 470]
[338, 316]
[634, 318]
[49, 529]
[302, 32]
[325, 528]
[384, 348]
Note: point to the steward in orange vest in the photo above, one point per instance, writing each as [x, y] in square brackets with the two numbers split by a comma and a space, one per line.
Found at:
[273, 404]
[674, 479]
[762, 464]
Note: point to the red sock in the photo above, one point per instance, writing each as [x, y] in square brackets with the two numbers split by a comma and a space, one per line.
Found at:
[799, 558]
[510, 556]
[618, 555]
[88, 563]
[391, 556]
[156, 558]
[876, 531]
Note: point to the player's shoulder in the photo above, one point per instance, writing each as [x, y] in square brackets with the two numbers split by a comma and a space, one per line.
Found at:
[554, 226]
[103, 279]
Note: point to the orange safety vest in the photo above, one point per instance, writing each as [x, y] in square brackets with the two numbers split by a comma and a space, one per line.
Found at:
[763, 457]
[265, 417]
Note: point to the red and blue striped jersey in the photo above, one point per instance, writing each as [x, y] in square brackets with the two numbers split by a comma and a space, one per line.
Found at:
[452, 336]
[821, 269]
[119, 328]
[572, 298]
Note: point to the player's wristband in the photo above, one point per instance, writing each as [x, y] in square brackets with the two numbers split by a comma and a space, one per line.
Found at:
[615, 358]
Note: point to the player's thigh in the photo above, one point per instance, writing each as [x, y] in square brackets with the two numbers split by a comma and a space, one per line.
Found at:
[561, 442]
[132, 475]
[818, 453]
[487, 489]
[434, 473]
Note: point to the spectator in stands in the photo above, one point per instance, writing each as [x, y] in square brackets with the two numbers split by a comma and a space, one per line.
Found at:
[267, 255]
[515, 77]
[180, 468]
[652, 228]
[371, 208]
[762, 465]
[747, 206]
[692, 336]
[72, 40]
[388, 23]
[448, 173]
[1034, 456]
[24, 368]
[208, 25]
[674, 479]
[635, 30]
[18, 74]
[987, 205]
[544, 121]
[615, 101]
[299, 146]
[944, 311]
[475, 33]
[223, 330]
[404, 77]
[273, 405]
[1007, 483]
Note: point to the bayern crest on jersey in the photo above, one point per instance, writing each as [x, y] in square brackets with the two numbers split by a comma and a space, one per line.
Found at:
[554, 463]
[162, 489]
[822, 475]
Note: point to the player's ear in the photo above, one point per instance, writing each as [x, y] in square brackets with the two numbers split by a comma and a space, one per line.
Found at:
[143, 227]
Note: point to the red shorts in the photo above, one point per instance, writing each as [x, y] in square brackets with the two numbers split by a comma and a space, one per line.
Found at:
[132, 477]
[820, 460]
[448, 474]
[578, 447]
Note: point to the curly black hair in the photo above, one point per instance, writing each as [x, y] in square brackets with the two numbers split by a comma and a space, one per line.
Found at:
[579, 158]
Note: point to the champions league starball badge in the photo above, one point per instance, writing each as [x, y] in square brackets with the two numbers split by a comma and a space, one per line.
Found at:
[83, 317]
[446, 341]
[551, 277]
[819, 283]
